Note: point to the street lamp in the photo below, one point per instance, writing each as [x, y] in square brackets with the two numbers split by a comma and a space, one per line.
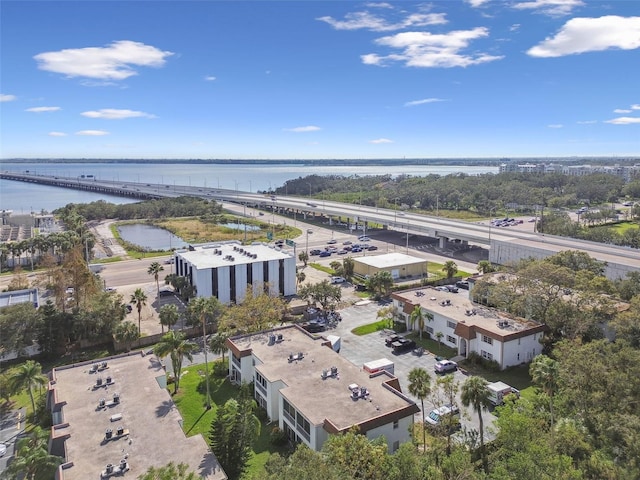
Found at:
[307, 245]
[492, 209]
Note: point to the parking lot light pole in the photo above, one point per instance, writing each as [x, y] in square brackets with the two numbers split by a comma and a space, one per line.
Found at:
[307, 245]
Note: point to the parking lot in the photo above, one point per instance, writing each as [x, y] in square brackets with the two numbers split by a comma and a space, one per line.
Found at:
[362, 349]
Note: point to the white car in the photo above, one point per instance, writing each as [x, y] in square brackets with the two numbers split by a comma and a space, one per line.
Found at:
[336, 280]
[445, 366]
[3, 449]
[438, 415]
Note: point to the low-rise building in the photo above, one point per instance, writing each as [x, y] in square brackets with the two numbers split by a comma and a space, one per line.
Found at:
[467, 327]
[312, 392]
[118, 412]
[225, 270]
[398, 265]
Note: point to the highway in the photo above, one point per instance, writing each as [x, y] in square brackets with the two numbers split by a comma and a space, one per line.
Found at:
[505, 244]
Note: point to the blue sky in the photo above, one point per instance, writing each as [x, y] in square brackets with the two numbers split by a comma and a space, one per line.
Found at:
[319, 79]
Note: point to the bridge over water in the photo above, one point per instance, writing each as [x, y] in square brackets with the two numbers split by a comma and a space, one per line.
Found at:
[505, 245]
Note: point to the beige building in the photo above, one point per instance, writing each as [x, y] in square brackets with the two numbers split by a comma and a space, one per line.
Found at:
[120, 415]
[398, 265]
[311, 392]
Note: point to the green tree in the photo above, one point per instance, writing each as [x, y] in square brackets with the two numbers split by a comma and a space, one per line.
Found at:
[127, 333]
[324, 293]
[300, 276]
[348, 266]
[177, 348]
[420, 387]
[448, 387]
[139, 299]
[303, 257]
[356, 457]
[255, 313]
[380, 283]
[26, 377]
[476, 394]
[169, 315]
[439, 336]
[233, 431]
[154, 270]
[485, 266]
[170, 471]
[450, 268]
[544, 373]
[32, 460]
[205, 309]
[19, 325]
[417, 317]
[218, 343]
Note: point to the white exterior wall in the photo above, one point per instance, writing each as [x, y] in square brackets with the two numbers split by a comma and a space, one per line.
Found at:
[400, 434]
[290, 276]
[528, 347]
[224, 284]
[495, 348]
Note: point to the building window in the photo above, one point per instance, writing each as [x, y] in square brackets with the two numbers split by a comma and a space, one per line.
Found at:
[430, 330]
[486, 355]
[451, 324]
[450, 339]
[488, 340]
[396, 445]
[395, 424]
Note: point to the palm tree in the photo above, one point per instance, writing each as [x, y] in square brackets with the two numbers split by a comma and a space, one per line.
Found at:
[127, 333]
[300, 276]
[139, 299]
[218, 343]
[485, 266]
[154, 269]
[202, 308]
[420, 387]
[417, 317]
[450, 268]
[169, 316]
[439, 336]
[303, 257]
[174, 344]
[27, 376]
[348, 265]
[476, 394]
[544, 373]
[32, 460]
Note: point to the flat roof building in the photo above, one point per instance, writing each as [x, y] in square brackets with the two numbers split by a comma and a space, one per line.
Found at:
[225, 270]
[127, 397]
[398, 265]
[468, 327]
[313, 392]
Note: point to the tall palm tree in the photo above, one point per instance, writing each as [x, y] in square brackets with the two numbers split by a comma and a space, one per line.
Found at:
[417, 317]
[218, 343]
[154, 269]
[420, 387]
[544, 373]
[32, 460]
[139, 299]
[169, 316]
[476, 394]
[26, 377]
[174, 344]
[202, 308]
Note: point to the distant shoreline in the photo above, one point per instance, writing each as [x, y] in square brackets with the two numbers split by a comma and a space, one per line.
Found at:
[332, 162]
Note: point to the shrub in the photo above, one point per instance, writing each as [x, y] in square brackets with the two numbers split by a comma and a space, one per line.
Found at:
[220, 369]
[278, 437]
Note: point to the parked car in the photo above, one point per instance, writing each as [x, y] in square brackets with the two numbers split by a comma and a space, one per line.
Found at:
[348, 242]
[315, 251]
[442, 288]
[364, 238]
[462, 284]
[336, 280]
[325, 254]
[372, 248]
[442, 415]
[342, 251]
[165, 292]
[452, 288]
[280, 242]
[356, 250]
[332, 241]
[445, 366]
[403, 345]
[391, 338]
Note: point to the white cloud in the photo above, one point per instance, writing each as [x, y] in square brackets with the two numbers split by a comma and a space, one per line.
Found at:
[308, 128]
[57, 134]
[115, 114]
[426, 50]
[209, 78]
[413, 103]
[623, 120]
[112, 62]
[92, 133]
[586, 122]
[555, 125]
[380, 140]
[42, 109]
[369, 21]
[580, 35]
[379, 5]
[476, 3]
[635, 106]
[621, 110]
[515, 27]
[550, 7]
[7, 98]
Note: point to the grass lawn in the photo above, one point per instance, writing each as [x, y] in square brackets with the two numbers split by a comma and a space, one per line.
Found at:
[190, 401]
[517, 377]
[432, 345]
[371, 327]
[435, 270]
[322, 268]
[624, 226]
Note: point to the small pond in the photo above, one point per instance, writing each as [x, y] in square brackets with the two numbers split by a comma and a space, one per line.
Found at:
[240, 226]
[150, 237]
